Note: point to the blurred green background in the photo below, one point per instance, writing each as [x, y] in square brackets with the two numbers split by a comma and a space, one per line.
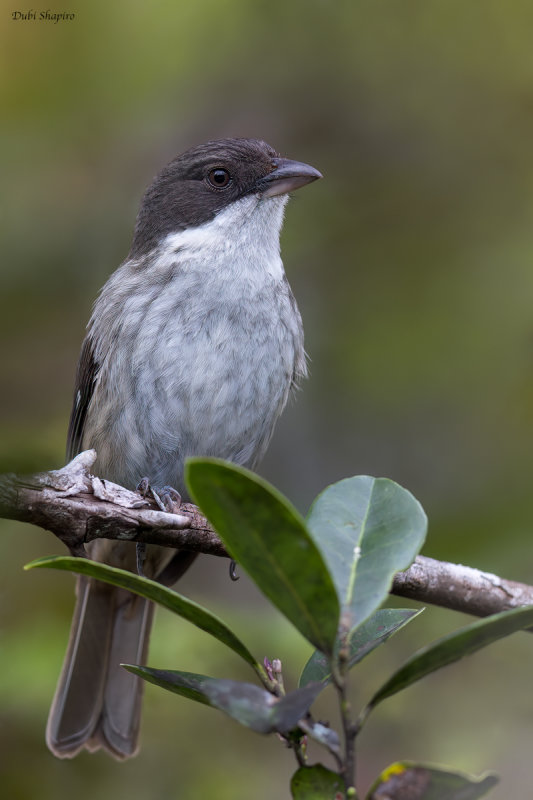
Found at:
[412, 262]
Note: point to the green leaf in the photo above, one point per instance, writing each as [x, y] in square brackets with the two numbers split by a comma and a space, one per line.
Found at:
[245, 702]
[152, 590]
[418, 782]
[453, 647]
[368, 529]
[268, 537]
[317, 783]
[376, 630]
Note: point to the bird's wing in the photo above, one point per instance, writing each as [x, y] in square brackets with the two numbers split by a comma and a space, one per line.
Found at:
[83, 392]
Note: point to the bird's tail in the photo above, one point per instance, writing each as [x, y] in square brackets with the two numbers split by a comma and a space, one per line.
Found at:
[97, 703]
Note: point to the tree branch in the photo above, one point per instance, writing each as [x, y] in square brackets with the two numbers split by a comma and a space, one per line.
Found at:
[460, 588]
[78, 507]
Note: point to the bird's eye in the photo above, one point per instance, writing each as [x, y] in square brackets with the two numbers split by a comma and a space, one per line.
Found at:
[219, 178]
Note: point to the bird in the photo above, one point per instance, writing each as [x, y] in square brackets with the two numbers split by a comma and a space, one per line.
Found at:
[192, 349]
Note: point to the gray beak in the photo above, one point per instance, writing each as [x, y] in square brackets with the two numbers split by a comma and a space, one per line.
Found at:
[286, 176]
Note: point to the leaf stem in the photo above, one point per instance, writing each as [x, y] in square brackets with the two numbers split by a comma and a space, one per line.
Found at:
[300, 750]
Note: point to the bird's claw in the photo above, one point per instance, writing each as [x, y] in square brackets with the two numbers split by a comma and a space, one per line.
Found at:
[168, 499]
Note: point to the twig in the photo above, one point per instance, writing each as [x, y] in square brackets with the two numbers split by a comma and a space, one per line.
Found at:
[309, 728]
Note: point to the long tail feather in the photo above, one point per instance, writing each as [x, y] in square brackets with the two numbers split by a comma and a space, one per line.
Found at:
[97, 703]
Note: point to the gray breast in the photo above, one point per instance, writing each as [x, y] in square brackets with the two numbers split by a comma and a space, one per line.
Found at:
[206, 370]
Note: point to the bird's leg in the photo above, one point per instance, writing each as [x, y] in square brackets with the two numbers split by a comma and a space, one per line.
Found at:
[140, 552]
[168, 499]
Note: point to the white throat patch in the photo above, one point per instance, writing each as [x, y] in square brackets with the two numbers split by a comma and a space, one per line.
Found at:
[245, 234]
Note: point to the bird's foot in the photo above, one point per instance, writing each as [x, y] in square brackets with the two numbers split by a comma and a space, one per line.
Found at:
[167, 498]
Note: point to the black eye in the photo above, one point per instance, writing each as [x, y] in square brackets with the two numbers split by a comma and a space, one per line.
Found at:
[219, 178]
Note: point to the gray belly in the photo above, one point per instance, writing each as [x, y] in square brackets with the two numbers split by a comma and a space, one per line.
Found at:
[210, 384]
